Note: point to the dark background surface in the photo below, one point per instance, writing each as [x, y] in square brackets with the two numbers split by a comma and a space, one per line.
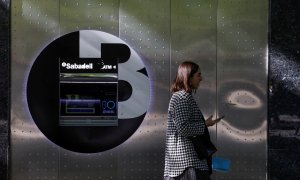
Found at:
[4, 87]
[284, 89]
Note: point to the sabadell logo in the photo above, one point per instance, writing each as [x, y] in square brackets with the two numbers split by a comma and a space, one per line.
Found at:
[77, 66]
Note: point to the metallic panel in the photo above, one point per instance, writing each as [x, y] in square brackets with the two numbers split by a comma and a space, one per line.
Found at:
[242, 87]
[228, 39]
[102, 15]
[193, 38]
[145, 26]
[94, 15]
[33, 25]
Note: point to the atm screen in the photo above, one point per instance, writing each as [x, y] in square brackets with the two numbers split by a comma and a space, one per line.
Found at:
[88, 92]
[88, 99]
[87, 104]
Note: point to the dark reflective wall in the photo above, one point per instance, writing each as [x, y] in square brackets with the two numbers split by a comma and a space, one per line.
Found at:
[4, 83]
[284, 90]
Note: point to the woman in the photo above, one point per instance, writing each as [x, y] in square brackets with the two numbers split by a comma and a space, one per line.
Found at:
[185, 120]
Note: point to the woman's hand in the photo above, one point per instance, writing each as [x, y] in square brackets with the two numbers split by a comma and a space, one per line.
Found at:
[211, 122]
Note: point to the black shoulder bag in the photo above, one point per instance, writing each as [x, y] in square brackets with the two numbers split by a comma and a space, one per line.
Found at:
[203, 146]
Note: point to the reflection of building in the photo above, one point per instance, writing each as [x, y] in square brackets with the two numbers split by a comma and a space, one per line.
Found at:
[291, 121]
[289, 118]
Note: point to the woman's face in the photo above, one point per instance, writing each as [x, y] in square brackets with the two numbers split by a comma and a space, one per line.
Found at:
[196, 79]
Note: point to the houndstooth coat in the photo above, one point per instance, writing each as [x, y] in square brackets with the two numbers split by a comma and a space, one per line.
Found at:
[184, 119]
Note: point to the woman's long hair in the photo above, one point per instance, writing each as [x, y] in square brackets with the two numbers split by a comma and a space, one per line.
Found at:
[186, 70]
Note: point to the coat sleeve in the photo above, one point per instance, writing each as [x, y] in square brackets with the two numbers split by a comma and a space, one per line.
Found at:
[184, 121]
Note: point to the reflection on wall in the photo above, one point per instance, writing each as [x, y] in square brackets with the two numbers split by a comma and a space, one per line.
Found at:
[227, 38]
[4, 87]
[284, 91]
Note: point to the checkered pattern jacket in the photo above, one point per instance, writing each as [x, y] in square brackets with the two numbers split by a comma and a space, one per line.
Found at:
[184, 120]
